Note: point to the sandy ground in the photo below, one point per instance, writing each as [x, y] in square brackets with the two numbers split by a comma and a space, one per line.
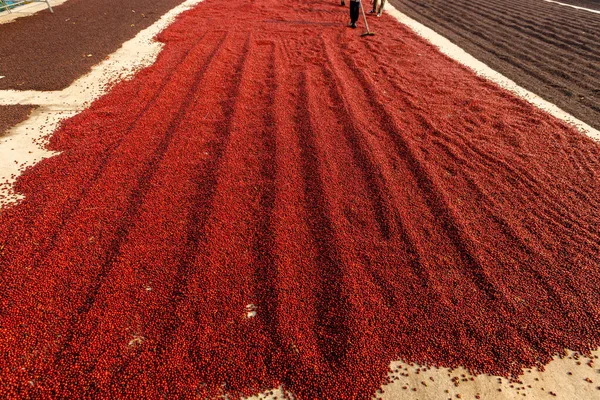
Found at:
[567, 378]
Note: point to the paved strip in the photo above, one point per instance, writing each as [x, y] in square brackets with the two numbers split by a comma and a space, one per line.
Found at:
[574, 6]
[45, 98]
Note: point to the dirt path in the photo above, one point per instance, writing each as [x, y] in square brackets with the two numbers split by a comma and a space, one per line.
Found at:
[549, 49]
[49, 51]
[264, 165]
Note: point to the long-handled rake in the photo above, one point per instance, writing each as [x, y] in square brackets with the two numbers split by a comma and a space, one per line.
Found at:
[368, 32]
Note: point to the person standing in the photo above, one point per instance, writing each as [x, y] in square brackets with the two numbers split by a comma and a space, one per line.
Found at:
[374, 10]
[354, 10]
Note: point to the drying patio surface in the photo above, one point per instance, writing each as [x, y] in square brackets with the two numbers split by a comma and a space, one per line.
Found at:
[49, 51]
[278, 202]
[550, 49]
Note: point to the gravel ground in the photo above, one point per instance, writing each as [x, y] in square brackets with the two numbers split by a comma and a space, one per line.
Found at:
[549, 49]
[49, 51]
